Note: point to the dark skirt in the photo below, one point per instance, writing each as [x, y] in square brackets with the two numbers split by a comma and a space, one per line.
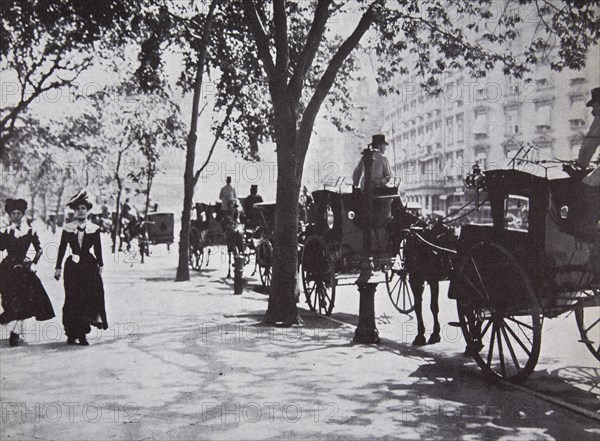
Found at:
[84, 298]
[23, 295]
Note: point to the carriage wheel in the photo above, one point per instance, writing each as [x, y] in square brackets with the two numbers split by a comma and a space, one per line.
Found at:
[398, 286]
[318, 276]
[196, 250]
[499, 314]
[588, 322]
[264, 257]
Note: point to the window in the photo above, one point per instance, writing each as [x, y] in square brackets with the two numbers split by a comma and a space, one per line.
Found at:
[516, 213]
[459, 163]
[512, 121]
[542, 83]
[578, 113]
[481, 158]
[481, 124]
[577, 81]
[459, 128]
[543, 117]
[449, 131]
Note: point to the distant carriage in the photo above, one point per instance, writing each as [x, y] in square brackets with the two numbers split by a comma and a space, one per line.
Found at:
[213, 228]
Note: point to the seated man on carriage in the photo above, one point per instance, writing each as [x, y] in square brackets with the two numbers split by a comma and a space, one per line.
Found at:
[227, 196]
[252, 214]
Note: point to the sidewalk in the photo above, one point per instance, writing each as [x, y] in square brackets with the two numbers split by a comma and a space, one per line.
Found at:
[190, 360]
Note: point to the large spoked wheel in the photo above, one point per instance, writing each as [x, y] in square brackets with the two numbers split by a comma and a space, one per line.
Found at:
[264, 258]
[196, 253]
[587, 315]
[499, 314]
[398, 286]
[318, 276]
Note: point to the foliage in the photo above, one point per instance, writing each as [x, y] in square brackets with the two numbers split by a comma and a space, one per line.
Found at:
[49, 43]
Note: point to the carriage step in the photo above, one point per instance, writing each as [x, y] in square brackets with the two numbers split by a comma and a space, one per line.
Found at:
[455, 324]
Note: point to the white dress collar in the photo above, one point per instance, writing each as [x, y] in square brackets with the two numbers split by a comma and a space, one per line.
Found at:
[19, 233]
[90, 227]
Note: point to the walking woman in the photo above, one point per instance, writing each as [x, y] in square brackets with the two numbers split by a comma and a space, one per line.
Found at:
[84, 290]
[23, 295]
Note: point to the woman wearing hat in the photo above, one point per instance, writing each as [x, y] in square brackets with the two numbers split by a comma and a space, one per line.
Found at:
[23, 295]
[84, 290]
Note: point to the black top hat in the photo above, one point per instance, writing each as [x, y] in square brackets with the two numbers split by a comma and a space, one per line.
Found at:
[254, 187]
[78, 199]
[378, 140]
[15, 204]
[595, 97]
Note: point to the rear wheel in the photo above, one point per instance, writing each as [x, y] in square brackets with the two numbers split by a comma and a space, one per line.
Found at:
[318, 275]
[196, 250]
[499, 314]
[587, 315]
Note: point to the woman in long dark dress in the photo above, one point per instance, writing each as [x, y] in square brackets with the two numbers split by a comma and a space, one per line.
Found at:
[84, 290]
[23, 295]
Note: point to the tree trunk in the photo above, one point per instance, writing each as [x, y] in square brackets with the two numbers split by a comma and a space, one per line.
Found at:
[189, 180]
[282, 299]
[117, 226]
[145, 230]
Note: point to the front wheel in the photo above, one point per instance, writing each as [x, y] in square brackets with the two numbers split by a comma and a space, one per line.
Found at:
[587, 315]
[499, 314]
[264, 258]
[398, 288]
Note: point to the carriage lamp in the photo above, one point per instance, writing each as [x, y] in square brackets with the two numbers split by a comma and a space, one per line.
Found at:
[329, 217]
[475, 179]
[351, 215]
[564, 212]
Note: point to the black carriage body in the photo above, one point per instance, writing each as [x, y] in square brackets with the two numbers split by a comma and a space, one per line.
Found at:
[337, 219]
[542, 242]
[161, 228]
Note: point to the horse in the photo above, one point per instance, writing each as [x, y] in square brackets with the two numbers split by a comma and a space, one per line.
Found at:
[233, 230]
[424, 262]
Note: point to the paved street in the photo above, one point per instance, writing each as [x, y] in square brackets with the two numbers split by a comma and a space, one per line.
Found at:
[190, 361]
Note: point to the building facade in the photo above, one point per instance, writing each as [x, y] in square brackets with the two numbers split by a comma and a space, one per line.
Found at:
[435, 139]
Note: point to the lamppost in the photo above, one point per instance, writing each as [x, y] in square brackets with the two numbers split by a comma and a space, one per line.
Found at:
[366, 331]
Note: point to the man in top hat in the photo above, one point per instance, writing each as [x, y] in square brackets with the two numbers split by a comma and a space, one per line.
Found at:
[251, 199]
[228, 197]
[591, 140]
[382, 172]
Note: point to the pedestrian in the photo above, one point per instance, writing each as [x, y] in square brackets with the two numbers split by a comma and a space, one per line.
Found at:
[23, 295]
[84, 289]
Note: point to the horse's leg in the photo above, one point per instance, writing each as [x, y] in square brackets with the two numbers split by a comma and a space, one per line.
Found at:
[434, 287]
[229, 253]
[417, 287]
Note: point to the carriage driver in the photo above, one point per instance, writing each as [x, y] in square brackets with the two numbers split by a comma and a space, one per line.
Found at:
[591, 141]
[382, 172]
[227, 197]
[588, 222]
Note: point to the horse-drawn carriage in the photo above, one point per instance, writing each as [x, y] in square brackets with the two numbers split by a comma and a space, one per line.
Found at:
[213, 229]
[333, 247]
[531, 261]
[512, 274]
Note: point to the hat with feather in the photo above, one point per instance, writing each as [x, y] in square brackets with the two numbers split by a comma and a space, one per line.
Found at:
[15, 204]
[78, 199]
